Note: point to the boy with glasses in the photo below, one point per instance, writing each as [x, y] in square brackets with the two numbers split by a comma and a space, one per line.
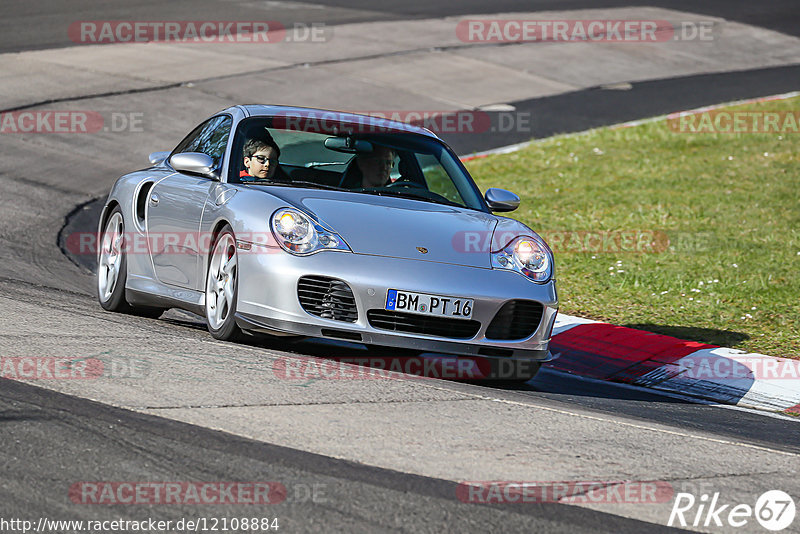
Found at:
[261, 161]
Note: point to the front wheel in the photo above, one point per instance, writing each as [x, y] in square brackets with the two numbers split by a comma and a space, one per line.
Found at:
[222, 287]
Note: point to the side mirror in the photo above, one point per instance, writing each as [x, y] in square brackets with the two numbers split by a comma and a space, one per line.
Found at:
[157, 157]
[194, 163]
[500, 200]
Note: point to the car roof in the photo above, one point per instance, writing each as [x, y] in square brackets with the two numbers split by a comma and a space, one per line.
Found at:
[342, 118]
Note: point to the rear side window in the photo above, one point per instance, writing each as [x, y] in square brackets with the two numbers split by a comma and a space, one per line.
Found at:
[210, 138]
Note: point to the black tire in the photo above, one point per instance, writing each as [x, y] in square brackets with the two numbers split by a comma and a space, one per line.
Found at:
[146, 311]
[228, 330]
[115, 301]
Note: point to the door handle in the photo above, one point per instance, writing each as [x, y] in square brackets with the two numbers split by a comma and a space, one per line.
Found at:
[154, 199]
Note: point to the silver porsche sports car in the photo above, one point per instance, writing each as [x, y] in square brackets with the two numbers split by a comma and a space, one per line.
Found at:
[304, 222]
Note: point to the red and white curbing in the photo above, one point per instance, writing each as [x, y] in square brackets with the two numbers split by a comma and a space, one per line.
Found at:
[607, 352]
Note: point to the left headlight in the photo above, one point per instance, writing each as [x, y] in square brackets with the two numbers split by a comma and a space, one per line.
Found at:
[297, 233]
[527, 256]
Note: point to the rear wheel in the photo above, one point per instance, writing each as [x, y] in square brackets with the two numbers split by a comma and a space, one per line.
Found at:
[112, 270]
[222, 287]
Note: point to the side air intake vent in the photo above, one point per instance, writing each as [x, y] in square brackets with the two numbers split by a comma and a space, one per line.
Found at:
[328, 298]
[517, 319]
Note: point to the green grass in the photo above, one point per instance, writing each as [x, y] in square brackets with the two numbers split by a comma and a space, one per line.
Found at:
[729, 204]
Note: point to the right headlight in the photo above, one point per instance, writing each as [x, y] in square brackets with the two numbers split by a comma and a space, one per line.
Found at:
[527, 256]
[299, 234]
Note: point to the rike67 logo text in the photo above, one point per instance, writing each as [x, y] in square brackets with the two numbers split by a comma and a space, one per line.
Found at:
[774, 510]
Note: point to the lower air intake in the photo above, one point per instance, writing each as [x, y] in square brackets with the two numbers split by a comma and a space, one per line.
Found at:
[423, 324]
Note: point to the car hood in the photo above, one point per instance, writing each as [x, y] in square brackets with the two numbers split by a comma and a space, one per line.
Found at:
[399, 228]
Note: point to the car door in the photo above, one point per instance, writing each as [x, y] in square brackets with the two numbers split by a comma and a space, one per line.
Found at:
[175, 208]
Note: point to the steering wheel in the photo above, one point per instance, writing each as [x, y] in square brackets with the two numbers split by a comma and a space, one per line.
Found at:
[403, 183]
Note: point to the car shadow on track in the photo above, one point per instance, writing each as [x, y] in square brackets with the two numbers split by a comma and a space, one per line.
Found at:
[326, 359]
[548, 382]
[712, 336]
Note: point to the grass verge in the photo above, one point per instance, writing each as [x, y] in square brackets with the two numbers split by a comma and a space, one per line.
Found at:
[695, 235]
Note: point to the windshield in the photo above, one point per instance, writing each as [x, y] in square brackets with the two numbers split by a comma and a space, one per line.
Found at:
[388, 164]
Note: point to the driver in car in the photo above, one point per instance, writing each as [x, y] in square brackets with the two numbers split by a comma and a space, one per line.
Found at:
[375, 166]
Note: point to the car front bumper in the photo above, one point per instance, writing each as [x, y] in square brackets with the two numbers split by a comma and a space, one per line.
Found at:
[268, 299]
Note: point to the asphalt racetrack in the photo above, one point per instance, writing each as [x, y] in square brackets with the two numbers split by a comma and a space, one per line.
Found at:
[360, 455]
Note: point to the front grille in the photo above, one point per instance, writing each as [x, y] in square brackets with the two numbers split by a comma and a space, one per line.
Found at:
[423, 324]
[517, 319]
[328, 298]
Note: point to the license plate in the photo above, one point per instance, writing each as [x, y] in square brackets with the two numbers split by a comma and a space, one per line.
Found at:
[425, 304]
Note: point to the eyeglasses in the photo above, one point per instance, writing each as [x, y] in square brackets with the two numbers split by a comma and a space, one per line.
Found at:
[263, 159]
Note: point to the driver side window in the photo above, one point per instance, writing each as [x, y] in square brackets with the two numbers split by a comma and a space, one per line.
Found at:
[210, 138]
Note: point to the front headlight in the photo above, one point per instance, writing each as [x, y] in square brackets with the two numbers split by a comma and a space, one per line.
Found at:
[527, 256]
[299, 234]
